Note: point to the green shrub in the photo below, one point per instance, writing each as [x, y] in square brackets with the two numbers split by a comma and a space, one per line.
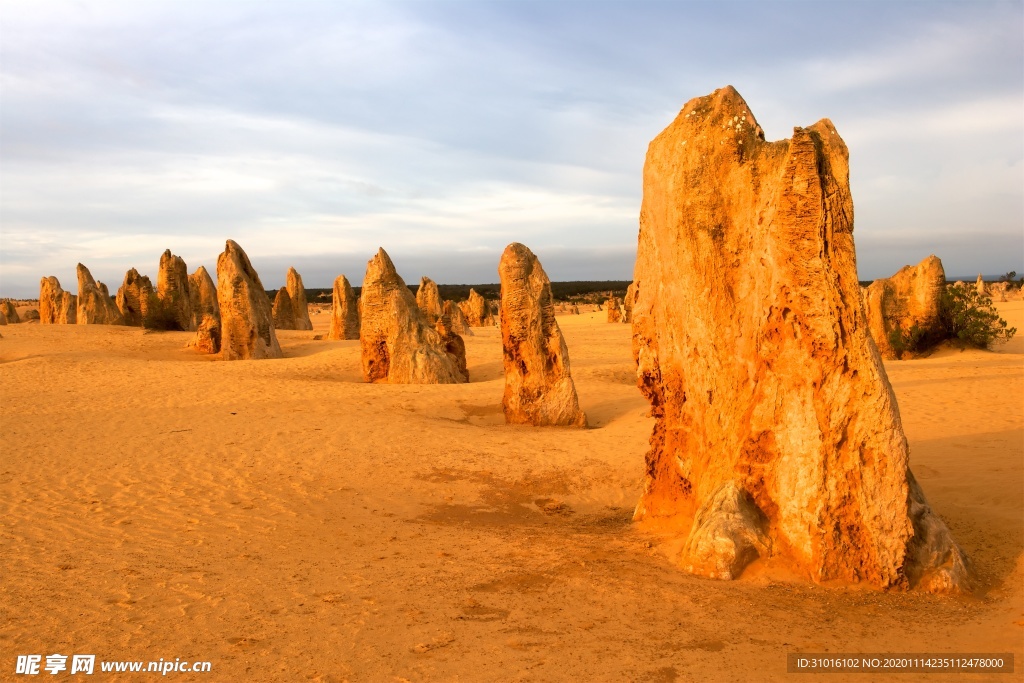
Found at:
[915, 340]
[970, 318]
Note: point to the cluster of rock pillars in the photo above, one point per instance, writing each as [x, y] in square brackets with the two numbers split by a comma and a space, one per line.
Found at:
[777, 434]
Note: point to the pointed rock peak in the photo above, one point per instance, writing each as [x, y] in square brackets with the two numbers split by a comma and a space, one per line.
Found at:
[85, 277]
[382, 262]
[724, 109]
[247, 329]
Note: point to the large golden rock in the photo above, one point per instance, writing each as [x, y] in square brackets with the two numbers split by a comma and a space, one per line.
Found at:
[429, 300]
[777, 433]
[905, 307]
[95, 307]
[172, 291]
[344, 311]
[291, 310]
[246, 320]
[476, 310]
[457, 319]
[136, 299]
[56, 307]
[9, 311]
[284, 314]
[453, 343]
[538, 384]
[205, 312]
[398, 346]
[613, 309]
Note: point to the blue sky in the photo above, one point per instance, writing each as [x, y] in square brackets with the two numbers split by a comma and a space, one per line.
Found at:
[314, 132]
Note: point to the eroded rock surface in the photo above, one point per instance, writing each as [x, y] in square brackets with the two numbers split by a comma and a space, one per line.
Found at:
[614, 311]
[205, 312]
[753, 350]
[56, 307]
[10, 312]
[344, 311]
[398, 346]
[905, 306]
[136, 299]
[297, 293]
[429, 300]
[247, 325]
[476, 310]
[291, 310]
[172, 291]
[284, 316]
[95, 307]
[627, 303]
[538, 384]
[729, 532]
[459, 324]
[204, 296]
[453, 343]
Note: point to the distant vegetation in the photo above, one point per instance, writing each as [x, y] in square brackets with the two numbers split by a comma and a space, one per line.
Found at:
[1011, 277]
[577, 291]
[970, 318]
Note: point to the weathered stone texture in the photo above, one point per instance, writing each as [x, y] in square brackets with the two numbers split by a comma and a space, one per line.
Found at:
[247, 325]
[627, 303]
[908, 302]
[614, 310]
[459, 324]
[538, 384]
[453, 343]
[284, 316]
[56, 307]
[291, 310]
[297, 293]
[10, 312]
[429, 300]
[136, 299]
[752, 348]
[476, 310]
[172, 291]
[203, 295]
[398, 346]
[95, 307]
[205, 312]
[344, 311]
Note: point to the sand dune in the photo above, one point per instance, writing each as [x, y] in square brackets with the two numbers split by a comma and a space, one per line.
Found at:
[285, 521]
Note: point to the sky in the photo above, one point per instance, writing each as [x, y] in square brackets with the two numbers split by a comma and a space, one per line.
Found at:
[314, 132]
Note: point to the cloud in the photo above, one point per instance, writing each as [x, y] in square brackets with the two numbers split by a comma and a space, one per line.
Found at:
[999, 119]
[320, 131]
[937, 50]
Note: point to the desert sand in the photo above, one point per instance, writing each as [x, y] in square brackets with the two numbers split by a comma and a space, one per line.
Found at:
[286, 521]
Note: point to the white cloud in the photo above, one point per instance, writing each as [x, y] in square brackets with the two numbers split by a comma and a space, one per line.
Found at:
[935, 48]
[1002, 115]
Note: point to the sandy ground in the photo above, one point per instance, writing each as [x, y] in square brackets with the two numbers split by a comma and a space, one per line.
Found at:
[287, 522]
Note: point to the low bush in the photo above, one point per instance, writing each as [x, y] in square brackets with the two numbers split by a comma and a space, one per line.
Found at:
[970, 318]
